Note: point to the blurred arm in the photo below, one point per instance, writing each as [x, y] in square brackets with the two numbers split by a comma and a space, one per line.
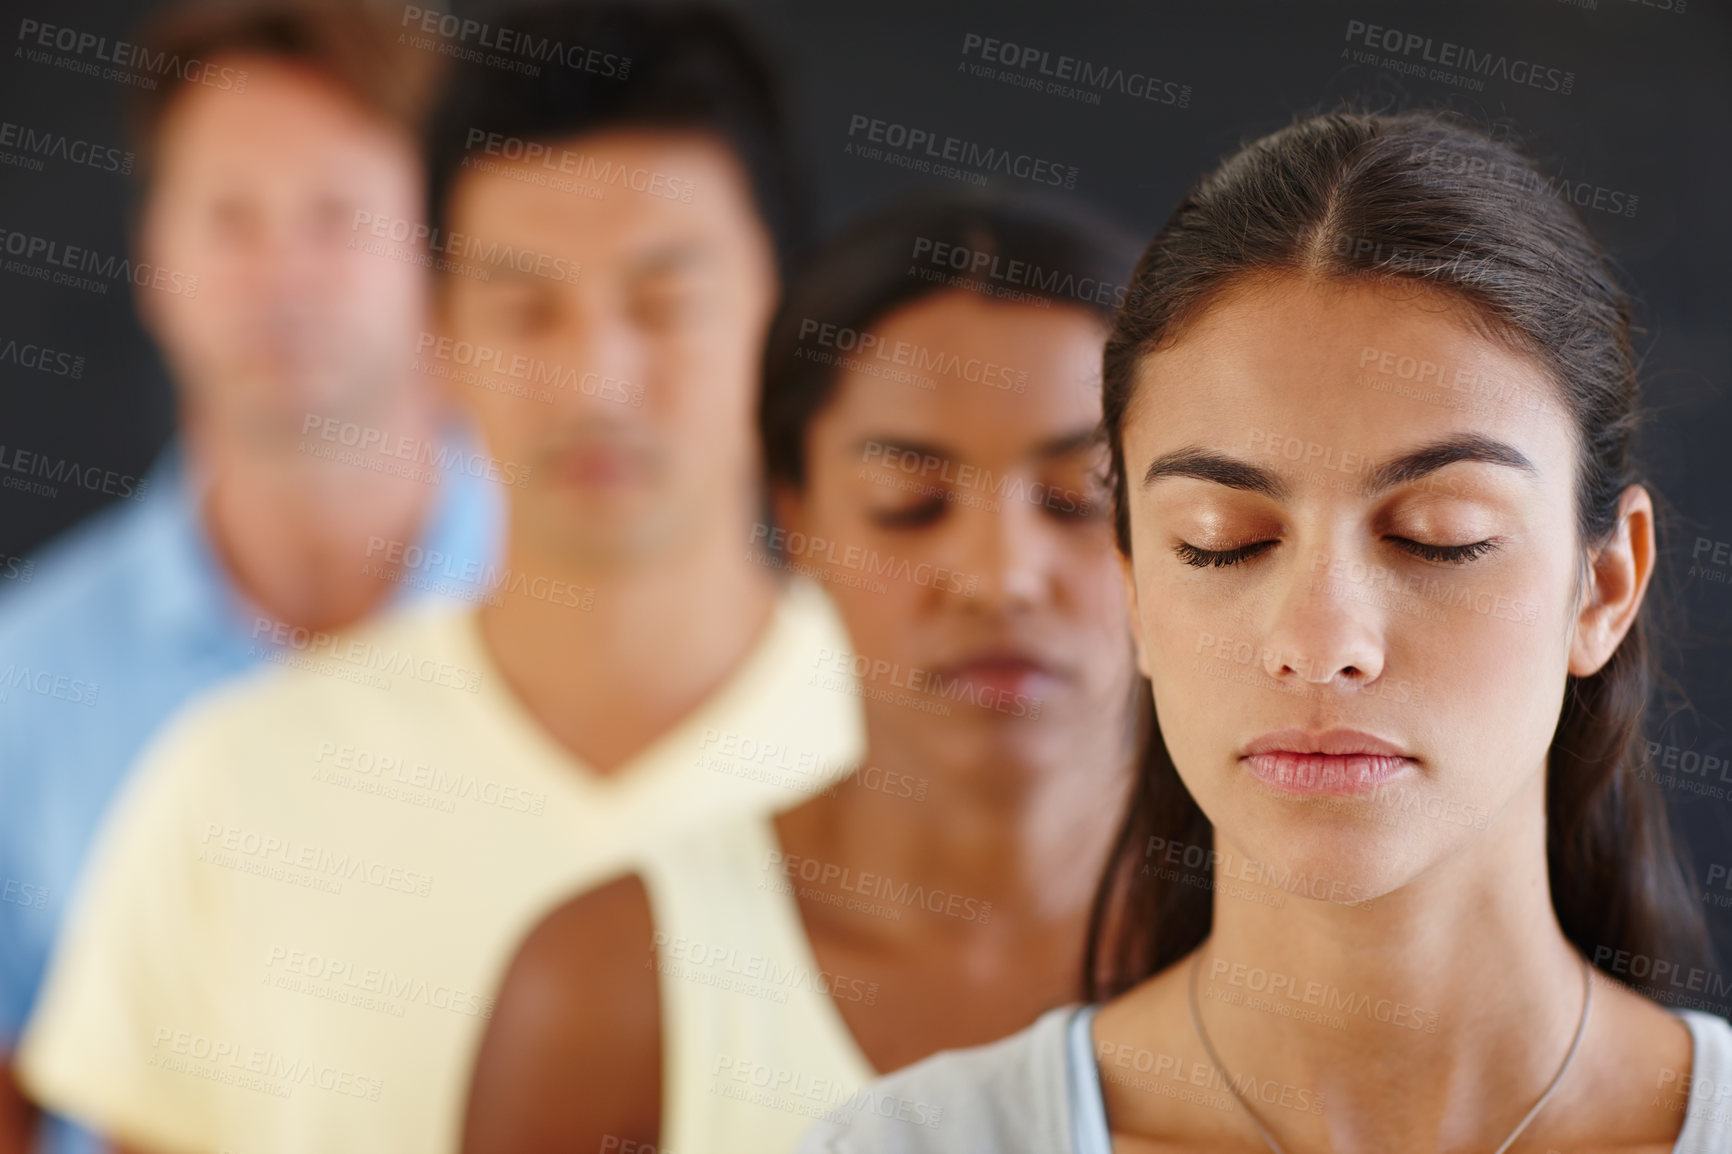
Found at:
[18, 1117]
[572, 1055]
[17, 1114]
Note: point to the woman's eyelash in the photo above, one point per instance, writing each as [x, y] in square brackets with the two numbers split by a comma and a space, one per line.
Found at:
[1445, 554]
[1070, 511]
[924, 513]
[1212, 558]
[1448, 554]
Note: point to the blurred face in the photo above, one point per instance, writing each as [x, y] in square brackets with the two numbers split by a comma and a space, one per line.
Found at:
[253, 194]
[972, 558]
[1355, 596]
[640, 318]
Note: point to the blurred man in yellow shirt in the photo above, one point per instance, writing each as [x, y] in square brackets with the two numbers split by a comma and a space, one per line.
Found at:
[292, 933]
[266, 126]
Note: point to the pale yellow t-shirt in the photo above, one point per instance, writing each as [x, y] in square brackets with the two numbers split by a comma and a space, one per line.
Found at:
[292, 929]
[754, 1045]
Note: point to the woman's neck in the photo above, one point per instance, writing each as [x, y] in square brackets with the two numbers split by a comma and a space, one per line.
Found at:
[1449, 943]
[967, 881]
[1432, 1017]
[1027, 834]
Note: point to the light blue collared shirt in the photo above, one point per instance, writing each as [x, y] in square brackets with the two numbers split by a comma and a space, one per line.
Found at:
[103, 636]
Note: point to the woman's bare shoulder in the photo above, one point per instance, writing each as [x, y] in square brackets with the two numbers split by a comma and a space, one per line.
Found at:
[572, 1053]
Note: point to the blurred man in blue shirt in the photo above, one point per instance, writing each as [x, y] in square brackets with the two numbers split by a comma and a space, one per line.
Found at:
[308, 440]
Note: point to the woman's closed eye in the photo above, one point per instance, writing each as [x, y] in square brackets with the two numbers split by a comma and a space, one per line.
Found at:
[1442, 554]
[913, 516]
[1217, 558]
[1447, 554]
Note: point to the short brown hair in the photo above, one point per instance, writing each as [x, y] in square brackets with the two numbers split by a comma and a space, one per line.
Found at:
[355, 49]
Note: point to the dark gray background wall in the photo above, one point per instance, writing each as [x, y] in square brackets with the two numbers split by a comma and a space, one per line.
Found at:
[1648, 117]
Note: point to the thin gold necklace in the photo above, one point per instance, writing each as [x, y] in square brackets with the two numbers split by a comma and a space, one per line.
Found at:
[1232, 1086]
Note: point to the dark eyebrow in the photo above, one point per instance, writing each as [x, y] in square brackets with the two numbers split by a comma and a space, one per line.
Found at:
[1405, 469]
[1428, 459]
[1066, 443]
[1219, 468]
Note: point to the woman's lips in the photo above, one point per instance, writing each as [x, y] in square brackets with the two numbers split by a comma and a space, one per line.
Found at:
[600, 467]
[1325, 774]
[1003, 676]
[1335, 762]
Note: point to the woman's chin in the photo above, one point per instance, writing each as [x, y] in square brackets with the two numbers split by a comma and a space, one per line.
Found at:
[1336, 862]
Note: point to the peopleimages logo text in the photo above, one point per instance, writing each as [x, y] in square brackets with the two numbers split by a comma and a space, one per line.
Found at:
[27, 463]
[1102, 77]
[41, 358]
[1447, 55]
[973, 262]
[30, 247]
[128, 55]
[919, 358]
[525, 45]
[970, 154]
[487, 255]
[59, 146]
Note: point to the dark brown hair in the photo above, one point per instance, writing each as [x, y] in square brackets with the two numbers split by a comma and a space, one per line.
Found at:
[1425, 200]
[958, 240]
[355, 49]
[685, 66]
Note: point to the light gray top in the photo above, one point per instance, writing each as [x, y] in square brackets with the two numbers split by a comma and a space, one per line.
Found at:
[1038, 1092]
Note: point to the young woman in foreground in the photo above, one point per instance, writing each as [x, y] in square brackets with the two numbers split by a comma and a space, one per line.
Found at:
[941, 439]
[1369, 406]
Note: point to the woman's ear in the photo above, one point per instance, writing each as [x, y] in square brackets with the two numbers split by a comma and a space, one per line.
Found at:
[1128, 572]
[1617, 579]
